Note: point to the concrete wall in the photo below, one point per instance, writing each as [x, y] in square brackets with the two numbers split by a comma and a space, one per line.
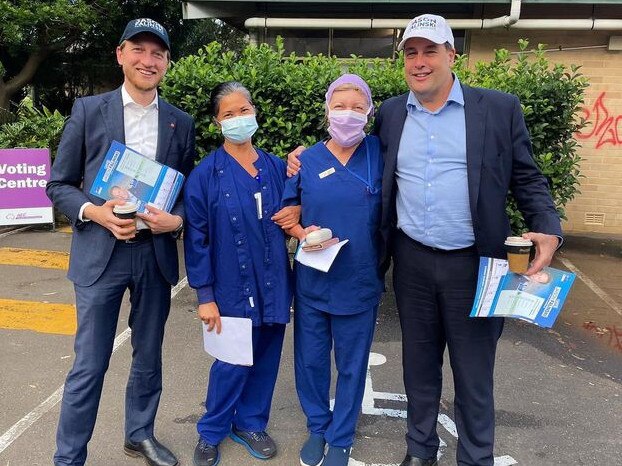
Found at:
[601, 151]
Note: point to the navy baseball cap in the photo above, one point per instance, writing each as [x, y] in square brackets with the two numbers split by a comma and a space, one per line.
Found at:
[136, 26]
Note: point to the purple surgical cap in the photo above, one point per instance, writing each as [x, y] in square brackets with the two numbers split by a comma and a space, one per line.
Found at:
[349, 79]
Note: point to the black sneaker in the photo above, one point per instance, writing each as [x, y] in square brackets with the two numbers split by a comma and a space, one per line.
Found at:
[259, 444]
[206, 454]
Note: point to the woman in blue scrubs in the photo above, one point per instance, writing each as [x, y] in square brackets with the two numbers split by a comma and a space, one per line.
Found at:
[237, 261]
[338, 187]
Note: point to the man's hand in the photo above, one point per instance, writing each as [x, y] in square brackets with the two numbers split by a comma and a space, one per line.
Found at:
[545, 248]
[210, 314]
[121, 228]
[287, 217]
[160, 221]
[293, 164]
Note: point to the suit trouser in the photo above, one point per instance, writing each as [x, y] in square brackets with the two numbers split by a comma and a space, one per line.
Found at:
[315, 332]
[240, 395]
[133, 267]
[434, 290]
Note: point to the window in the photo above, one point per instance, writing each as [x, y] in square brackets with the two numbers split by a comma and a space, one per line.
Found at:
[301, 41]
[369, 43]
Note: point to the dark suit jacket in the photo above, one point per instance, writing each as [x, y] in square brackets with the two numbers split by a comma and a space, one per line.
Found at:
[499, 159]
[95, 122]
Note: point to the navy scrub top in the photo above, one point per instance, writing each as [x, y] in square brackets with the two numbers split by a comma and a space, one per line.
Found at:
[230, 253]
[347, 200]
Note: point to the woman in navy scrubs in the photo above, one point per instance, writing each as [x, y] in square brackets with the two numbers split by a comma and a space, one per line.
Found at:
[237, 261]
[338, 187]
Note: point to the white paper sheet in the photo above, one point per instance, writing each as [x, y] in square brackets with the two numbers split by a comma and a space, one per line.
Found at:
[234, 344]
[322, 259]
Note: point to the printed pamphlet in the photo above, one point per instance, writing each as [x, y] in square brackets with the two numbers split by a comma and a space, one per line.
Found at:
[126, 174]
[537, 298]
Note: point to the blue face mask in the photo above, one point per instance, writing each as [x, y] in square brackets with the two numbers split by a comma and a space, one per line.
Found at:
[239, 129]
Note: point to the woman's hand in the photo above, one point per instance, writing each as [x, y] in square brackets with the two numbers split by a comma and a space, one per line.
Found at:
[287, 217]
[210, 314]
[301, 233]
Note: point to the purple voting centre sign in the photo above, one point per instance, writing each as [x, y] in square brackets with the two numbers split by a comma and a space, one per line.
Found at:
[24, 174]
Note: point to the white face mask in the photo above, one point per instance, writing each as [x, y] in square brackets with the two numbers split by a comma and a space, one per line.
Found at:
[239, 129]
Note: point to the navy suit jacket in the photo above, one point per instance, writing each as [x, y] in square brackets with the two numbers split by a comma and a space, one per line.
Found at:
[499, 160]
[94, 123]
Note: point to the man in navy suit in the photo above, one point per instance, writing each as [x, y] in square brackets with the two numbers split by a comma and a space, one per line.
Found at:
[451, 155]
[110, 255]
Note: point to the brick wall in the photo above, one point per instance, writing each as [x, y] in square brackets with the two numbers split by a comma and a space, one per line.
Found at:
[601, 151]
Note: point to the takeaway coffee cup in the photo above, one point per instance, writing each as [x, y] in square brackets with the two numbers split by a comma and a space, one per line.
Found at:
[518, 250]
[127, 210]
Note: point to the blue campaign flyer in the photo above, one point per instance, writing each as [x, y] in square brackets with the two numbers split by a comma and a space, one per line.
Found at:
[537, 299]
[125, 174]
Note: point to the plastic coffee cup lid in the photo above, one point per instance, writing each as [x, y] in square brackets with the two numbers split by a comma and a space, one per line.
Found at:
[517, 241]
[126, 208]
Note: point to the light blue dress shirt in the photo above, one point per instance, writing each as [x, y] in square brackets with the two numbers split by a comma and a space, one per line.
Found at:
[432, 187]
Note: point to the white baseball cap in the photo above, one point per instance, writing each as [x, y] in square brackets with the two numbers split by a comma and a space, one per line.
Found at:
[431, 27]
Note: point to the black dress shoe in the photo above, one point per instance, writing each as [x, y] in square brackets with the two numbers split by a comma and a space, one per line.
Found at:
[154, 453]
[413, 461]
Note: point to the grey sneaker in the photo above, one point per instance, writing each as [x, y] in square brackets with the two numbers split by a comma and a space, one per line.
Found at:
[206, 454]
[258, 444]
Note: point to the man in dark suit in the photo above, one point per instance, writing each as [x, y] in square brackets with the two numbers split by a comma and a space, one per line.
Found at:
[110, 255]
[452, 153]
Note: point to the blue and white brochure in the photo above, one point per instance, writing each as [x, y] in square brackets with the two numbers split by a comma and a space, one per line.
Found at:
[126, 174]
[537, 299]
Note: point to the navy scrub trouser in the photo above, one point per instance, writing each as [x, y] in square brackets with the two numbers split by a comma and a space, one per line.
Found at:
[315, 332]
[133, 267]
[241, 395]
[434, 291]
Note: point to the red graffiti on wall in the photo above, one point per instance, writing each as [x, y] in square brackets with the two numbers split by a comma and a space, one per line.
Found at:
[604, 126]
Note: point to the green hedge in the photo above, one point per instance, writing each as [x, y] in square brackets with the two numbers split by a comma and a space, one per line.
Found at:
[289, 95]
[287, 91]
[32, 128]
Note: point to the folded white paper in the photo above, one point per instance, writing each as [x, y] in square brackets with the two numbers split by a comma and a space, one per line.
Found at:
[322, 259]
[234, 344]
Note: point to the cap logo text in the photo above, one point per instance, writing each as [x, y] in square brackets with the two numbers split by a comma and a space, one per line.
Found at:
[149, 23]
[424, 23]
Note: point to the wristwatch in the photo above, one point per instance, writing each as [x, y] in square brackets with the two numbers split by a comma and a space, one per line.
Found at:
[178, 230]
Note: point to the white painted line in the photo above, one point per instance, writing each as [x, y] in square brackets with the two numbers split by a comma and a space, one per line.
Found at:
[505, 461]
[448, 424]
[369, 407]
[24, 423]
[180, 285]
[12, 232]
[353, 462]
[593, 286]
[29, 419]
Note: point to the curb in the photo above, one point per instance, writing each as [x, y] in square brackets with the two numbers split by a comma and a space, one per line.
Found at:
[604, 245]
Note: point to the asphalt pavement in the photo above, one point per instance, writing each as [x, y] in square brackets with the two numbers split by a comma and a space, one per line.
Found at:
[558, 391]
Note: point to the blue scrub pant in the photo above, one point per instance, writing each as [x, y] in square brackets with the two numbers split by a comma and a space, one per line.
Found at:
[434, 291]
[133, 267]
[315, 333]
[241, 395]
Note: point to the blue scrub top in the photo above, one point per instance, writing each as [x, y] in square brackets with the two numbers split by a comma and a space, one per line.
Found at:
[347, 200]
[242, 258]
